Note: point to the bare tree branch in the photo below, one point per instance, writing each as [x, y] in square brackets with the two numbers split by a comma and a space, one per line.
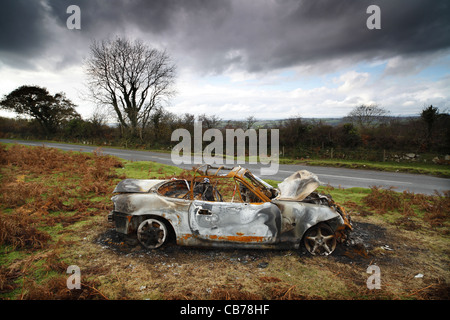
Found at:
[132, 78]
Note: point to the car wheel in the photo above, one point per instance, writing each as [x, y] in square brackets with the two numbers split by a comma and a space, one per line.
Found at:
[152, 233]
[320, 240]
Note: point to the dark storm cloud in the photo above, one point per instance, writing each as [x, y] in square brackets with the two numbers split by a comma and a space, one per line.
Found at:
[244, 35]
[154, 16]
[302, 32]
[21, 29]
[101, 15]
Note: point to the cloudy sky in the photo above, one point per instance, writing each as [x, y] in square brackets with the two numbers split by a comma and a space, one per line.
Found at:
[270, 59]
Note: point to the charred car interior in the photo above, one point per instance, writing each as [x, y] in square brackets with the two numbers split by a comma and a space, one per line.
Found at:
[230, 207]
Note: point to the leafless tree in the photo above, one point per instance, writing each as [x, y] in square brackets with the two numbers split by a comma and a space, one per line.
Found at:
[130, 77]
[365, 116]
[250, 121]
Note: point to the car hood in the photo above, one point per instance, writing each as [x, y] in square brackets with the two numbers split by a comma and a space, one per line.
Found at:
[298, 186]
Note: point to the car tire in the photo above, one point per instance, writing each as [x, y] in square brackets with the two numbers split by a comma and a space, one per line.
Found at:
[152, 233]
[320, 240]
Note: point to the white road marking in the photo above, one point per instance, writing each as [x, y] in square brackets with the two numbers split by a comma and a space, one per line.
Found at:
[366, 179]
[356, 178]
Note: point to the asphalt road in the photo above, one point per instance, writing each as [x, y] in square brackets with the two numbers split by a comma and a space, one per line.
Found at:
[336, 177]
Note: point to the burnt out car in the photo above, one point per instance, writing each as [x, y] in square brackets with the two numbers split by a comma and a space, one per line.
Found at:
[230, 207]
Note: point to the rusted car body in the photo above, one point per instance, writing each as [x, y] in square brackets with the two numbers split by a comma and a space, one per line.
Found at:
[193, 211]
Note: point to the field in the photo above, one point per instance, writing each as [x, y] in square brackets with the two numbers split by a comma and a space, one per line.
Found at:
[53, 208]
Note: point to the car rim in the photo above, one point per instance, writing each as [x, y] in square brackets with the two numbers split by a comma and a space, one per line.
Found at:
[320, 240]
[152, 233]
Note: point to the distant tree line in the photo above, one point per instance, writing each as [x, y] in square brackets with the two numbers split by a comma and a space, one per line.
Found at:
[363, 131]
[428, 132]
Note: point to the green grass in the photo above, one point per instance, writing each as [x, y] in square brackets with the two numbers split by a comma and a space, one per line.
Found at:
[344, 195]
[147, 169]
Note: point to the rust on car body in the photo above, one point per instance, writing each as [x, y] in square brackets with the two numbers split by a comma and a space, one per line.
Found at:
[196, 211]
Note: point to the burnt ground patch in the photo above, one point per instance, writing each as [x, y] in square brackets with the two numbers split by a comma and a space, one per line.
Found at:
[364, 238]
[130, 246]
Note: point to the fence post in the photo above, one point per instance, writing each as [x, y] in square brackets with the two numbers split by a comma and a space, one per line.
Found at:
[384, 155]
[332, 153]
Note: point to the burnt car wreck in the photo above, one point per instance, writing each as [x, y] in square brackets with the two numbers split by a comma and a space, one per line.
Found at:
[230, 207]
